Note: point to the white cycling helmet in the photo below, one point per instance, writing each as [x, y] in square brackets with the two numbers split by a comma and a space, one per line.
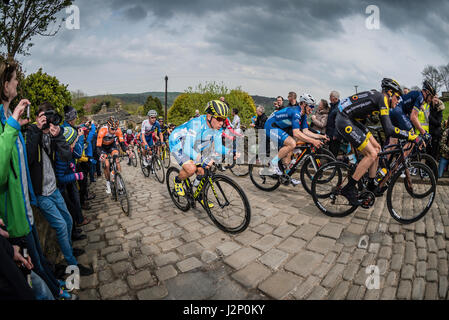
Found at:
[129, 131]
[307, 98]
[152, 113]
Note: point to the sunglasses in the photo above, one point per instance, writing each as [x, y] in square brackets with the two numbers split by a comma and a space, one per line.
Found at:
[221, 119]
[152, 117]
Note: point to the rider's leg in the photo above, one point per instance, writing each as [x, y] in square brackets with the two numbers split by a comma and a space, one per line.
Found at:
[106, 169]
[117, 161]
[367, 163]
[188, 170]
[288, 145]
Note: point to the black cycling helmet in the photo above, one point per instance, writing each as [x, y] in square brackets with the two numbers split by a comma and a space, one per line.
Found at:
[391, 84]
[428, 86]
[217, 108]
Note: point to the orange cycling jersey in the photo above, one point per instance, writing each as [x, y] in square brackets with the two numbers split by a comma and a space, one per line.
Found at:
[105, 138]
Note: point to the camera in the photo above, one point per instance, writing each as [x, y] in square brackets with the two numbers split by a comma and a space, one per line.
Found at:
[52, 117]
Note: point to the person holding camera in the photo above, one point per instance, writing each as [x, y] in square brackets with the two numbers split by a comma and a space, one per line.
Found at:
[44, 139]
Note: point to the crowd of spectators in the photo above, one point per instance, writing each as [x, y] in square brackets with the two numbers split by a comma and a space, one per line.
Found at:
[45, 171]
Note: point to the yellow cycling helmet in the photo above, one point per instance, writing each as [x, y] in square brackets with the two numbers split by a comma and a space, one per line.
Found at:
[217, 108]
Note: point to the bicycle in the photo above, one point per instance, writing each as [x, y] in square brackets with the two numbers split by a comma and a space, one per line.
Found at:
[330, 179]
[215, 189]
[133, 156]
[118, 188]
[165, 155]
[154, 164]
[306, 157]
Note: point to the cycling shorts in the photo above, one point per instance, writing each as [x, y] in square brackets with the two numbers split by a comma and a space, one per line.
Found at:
[111, 149]
[400, 119]
[181, 157]
[277, 134]
[352, 131]
[149, 139]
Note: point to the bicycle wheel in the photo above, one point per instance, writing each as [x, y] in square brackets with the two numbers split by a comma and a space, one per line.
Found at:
[158, 168]
[231, 211]
[263, 182]
[134, 159]
[122, 195]
[240, 170]
[429, 161]
[180, 201]
[311, 166]
[326, 189]
[165, 157]
[409, 199]
[145, 170]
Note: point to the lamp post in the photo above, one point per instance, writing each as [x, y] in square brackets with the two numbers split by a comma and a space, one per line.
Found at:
[356, 89]
[166, 80]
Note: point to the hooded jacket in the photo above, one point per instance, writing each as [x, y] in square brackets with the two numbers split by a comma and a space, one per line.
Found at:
[320, 121]
[35, 149]
[13, 207]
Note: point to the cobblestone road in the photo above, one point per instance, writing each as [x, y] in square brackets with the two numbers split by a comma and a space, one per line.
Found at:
[289, 251]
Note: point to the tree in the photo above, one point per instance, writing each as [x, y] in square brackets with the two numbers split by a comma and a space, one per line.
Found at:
[21, 20]
[432, 74]
[444, 72]
[40, 87]
[152, 104]
[185, 105]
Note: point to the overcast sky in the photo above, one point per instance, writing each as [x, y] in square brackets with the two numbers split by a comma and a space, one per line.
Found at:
[268, 47]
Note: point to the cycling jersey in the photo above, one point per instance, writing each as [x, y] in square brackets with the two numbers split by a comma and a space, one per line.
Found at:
[400, 116]
[194, 140]
[148, 130]
[360, 106]
[106, 140]
[129, 138]
[280, 125]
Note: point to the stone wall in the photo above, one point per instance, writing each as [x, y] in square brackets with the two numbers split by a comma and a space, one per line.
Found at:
[47, 237]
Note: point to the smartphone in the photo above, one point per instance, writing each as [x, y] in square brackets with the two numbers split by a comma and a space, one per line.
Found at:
[28, 111]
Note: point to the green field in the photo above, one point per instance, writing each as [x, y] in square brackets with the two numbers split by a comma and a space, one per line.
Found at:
[446, 111]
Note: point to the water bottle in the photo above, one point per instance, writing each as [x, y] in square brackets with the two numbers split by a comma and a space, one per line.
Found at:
[381, 173]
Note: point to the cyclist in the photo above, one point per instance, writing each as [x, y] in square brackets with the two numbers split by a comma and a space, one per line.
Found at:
[189, 141]
[151, 130]
[405, 115]
[130, 140]
[285, 126]
[360, 106]
[106, 145]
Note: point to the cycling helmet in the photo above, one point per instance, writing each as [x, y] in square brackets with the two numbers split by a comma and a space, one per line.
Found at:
[129, 131]
[391, 84]
[217, 108]
[113, 123]
[428, 86]
[307, 98]
[152, 113]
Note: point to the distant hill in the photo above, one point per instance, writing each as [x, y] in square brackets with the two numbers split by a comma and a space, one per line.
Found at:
[140, 98]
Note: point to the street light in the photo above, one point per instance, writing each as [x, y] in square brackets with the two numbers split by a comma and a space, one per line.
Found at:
[356, 89]
[166, 80]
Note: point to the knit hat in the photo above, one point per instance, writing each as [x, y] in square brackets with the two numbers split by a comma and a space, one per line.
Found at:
[70, 113]
[70, 135]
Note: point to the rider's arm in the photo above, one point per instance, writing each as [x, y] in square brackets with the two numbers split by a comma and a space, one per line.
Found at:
[389, 129]
[309, 133]
[298, 134]
[414, 119]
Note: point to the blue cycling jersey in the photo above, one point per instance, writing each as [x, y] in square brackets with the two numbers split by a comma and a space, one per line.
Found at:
[286, 118]
[413, 99]
[194, 140]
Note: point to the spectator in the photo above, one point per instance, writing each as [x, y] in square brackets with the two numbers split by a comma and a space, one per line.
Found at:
[276, 106]
[435, 119]
[197, 113]
[261, 117]
[444, 152]
[319, 119]
[292, 99]
[44, 139]
[66, 177]
[236, 120]
[91, 144]
[16, 189]
[406, 90]
[335, 139]
[280, 103]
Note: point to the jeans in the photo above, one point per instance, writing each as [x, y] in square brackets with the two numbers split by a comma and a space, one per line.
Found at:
[441, 166]
[71, 197]
[40, 289]
[41, 265]
[55, 211]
